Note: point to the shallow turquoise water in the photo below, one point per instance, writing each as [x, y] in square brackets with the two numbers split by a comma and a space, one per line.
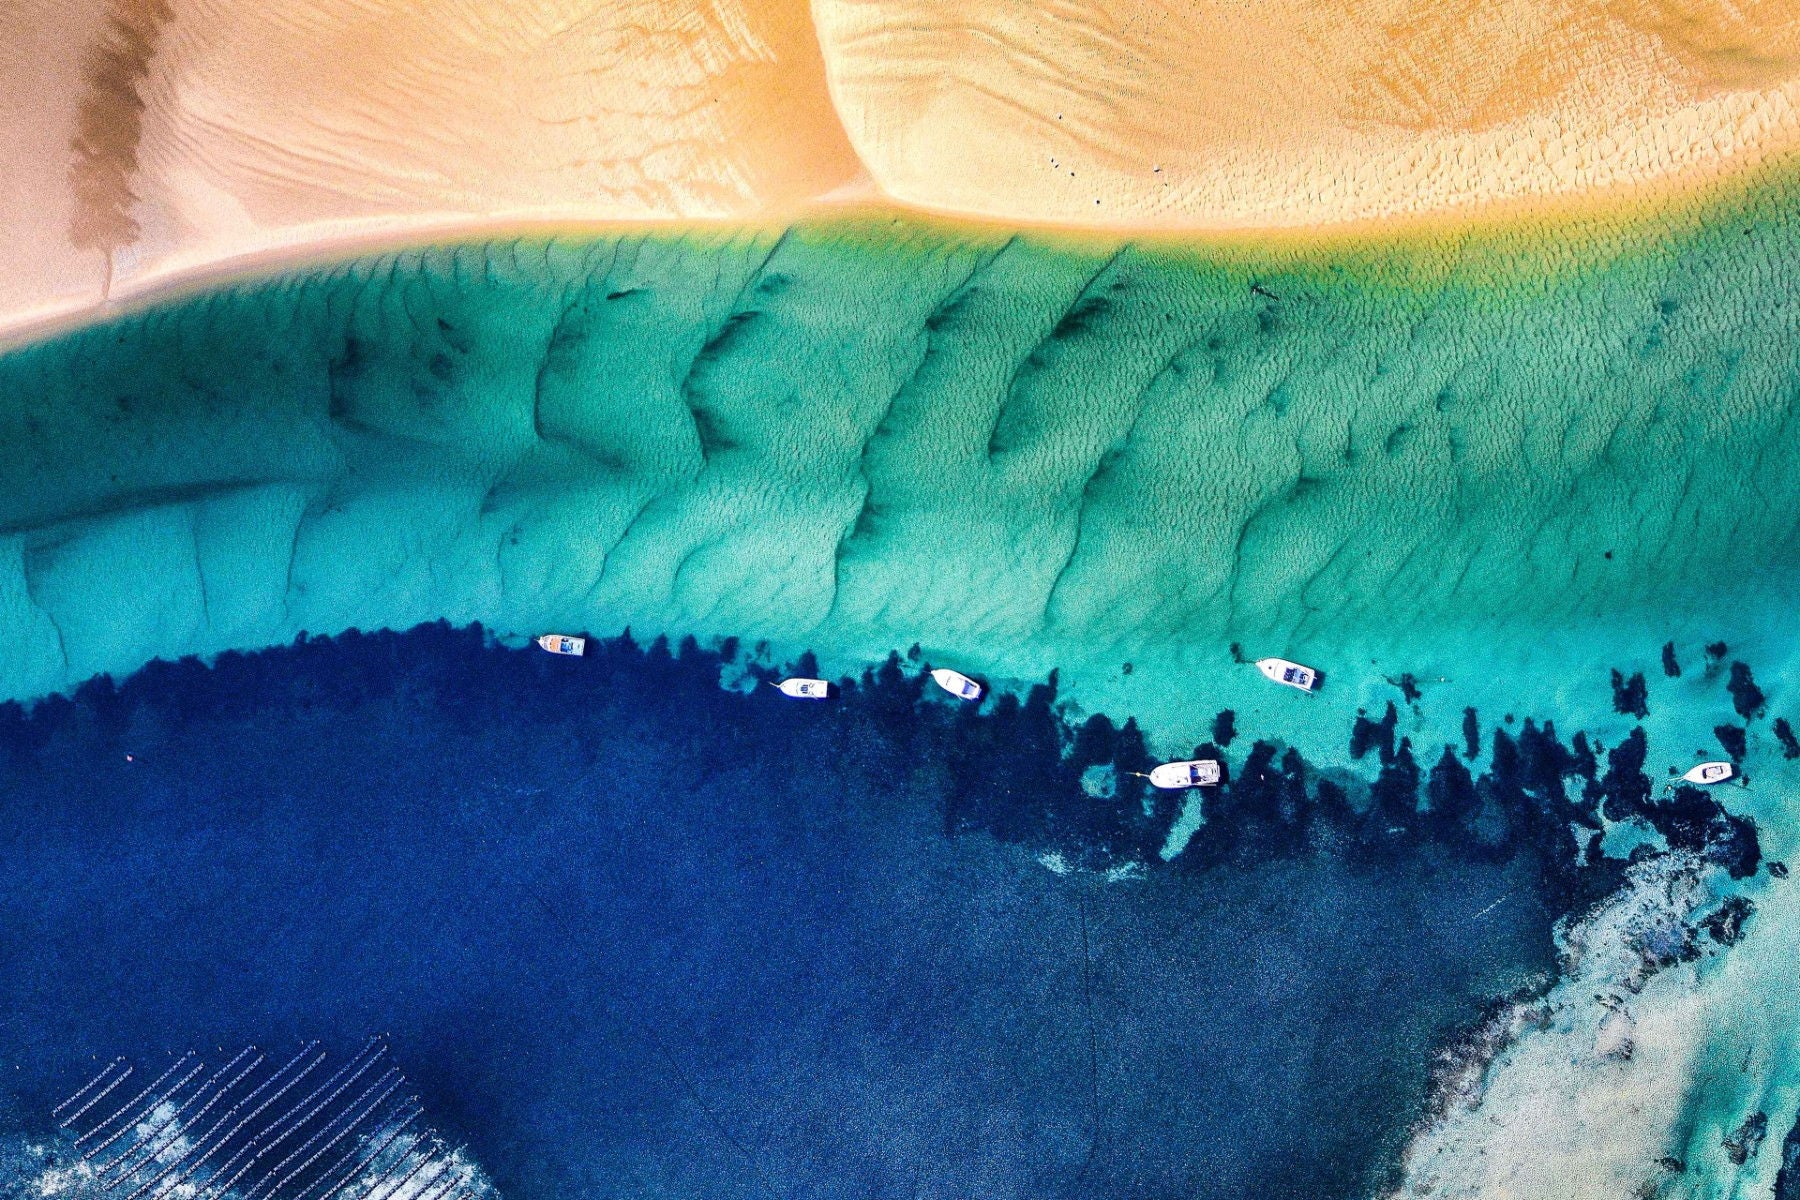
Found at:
[1505, 468]
[1022, 453]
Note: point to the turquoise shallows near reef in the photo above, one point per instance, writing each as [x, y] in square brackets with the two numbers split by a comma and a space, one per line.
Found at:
[1509, 464]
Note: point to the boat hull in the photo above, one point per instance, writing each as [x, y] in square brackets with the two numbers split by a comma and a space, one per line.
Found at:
[562, 643]
[1288, 674]
[804, 689]
[956, 683]
[1174, 776]
[1709, 773]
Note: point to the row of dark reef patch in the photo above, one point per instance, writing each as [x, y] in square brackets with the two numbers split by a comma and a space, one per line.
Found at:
[1631, 697]
[1013, 767]
[1022, 769]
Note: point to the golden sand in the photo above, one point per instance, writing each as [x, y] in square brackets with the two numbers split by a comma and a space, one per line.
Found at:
[167, 134]
[1220, 114]
[146, 140]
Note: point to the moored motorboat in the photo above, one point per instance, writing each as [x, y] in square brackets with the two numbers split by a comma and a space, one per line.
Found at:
[1289, 674]
[805, 689]
[562, 643]
[1709, 772]
[956, 683]
[1199, 772]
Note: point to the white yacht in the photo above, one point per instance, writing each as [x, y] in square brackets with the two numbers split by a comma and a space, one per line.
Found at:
[562, 643]
[1200, 772]
[1709, 772]
[956, 683]
[1291, 674]
[805, 689]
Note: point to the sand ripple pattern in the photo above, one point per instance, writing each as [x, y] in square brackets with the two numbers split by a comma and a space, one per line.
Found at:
[1004, 446]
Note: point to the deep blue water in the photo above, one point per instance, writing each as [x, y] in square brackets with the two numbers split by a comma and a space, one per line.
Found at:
[633, 934]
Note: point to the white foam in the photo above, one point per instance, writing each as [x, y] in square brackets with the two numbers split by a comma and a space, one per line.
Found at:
[1626, 1079]
[54, 1170]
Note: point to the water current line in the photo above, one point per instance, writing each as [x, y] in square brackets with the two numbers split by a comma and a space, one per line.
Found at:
[162, 1098]
[445, 1167]
[228, 1114]
[681, 1076]
[153, 1135]
[456, 1180]
[359, 1158]
[174, 1125]
[76, 1116]
[55, 1113]
[259, 1142]
[290, 1124]
[400, 1161]
[392, 1080]
[194, 1146]
[429, 1156]
[132, 1103]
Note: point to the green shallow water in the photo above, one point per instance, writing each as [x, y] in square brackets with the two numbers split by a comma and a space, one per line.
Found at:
[1507, 466]
[1511, 463]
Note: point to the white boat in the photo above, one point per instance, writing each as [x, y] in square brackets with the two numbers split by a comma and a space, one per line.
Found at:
[805, 689]
[956, 683]
[1292, 674]
[1709, 772]
[562, 643]
[1201, 772]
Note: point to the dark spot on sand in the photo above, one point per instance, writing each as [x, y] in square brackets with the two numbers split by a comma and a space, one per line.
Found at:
[109, 120]
[1368, 735]
[1742, 1144]
[1746, 697]
[1725, 924]
[1630, 696]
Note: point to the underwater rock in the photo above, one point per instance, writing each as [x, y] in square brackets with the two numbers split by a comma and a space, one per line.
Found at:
[1725, 924]
[1784, 733]
[1746, 697]
[1367, 735]
[1613, 1038]
[1743, 1142]
[1630, 696]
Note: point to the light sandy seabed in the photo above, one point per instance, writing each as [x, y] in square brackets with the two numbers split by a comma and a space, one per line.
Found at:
[145, 140]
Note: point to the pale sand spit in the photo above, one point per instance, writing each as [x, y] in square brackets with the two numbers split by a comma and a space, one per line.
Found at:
[151, 141]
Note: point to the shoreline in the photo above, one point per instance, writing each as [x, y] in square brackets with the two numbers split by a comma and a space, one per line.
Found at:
[1603, 219]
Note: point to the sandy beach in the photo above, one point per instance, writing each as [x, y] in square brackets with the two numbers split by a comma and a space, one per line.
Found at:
[154, 141]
